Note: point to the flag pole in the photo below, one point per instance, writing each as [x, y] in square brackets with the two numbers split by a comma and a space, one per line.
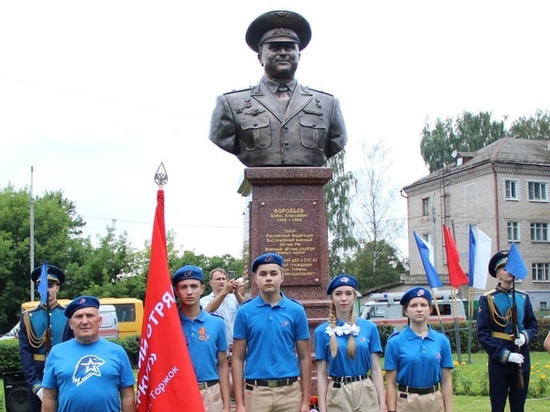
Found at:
[438, 311]
[455, 319]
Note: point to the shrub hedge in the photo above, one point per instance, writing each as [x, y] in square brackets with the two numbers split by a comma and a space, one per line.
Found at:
[11, 361]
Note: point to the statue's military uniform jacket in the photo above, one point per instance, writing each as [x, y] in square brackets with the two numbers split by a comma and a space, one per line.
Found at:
[252, 125]
[32, 340]
[494, 327]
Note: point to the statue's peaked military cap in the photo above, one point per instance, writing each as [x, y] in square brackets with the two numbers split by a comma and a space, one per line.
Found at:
[278, 25]
[54, 274]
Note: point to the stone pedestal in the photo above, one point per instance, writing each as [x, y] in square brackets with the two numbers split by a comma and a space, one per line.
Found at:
[287, 216]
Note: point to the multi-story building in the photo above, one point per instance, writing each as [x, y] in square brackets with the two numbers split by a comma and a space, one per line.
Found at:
[504, 189]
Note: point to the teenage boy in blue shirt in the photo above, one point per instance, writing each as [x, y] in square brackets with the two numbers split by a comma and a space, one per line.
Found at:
[268, 332]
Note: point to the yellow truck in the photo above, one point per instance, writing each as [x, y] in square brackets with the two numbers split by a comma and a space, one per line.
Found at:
[129, 315]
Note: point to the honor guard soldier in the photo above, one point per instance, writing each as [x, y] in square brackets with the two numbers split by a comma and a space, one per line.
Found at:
[278, 122]
[419, 360]
[41, 329]
[505, 336]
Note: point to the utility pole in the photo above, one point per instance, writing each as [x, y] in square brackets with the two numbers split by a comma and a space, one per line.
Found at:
[32, 236]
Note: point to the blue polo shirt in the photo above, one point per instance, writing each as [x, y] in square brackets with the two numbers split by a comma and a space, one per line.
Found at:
[418, 361]
[271, 333]
[205, 337]
[366, 342]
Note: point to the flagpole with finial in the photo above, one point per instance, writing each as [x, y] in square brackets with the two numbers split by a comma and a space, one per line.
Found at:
[161, 177]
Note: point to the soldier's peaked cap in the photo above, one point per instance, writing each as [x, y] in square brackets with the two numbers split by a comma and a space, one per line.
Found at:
[54, 274]
[278, 25]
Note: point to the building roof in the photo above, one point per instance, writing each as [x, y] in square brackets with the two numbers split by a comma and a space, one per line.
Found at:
[504, 150]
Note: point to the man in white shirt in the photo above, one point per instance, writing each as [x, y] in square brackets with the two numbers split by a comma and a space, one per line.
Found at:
[224, 300]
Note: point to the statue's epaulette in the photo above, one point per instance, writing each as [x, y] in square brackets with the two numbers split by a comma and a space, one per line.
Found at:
[490, 292]
[238, 91]
[309, 89]
[394, 334]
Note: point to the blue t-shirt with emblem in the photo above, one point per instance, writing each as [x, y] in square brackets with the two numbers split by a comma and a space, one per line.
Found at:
[418, 361]
[88, 378]
[271, 333]
[367, 342]
[205, 337]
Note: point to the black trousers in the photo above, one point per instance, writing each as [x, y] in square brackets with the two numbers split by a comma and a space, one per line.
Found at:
[502, 386]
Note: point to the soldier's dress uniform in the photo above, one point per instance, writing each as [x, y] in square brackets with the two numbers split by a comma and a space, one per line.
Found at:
[494, 330]
[32, 337]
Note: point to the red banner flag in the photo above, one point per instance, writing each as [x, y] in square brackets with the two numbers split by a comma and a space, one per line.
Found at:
[166, 379]
[457, 276]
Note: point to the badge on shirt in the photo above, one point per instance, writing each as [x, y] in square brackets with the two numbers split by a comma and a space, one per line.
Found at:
[203, 336]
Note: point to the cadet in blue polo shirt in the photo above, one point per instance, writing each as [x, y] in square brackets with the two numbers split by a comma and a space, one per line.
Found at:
[419, 360]
[350, 348]
[205, 338]
[269, 330]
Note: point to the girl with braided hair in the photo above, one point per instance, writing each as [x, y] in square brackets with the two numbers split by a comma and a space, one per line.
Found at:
[347, 350]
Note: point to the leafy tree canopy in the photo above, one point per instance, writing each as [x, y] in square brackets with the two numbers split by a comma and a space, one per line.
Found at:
[470, 132]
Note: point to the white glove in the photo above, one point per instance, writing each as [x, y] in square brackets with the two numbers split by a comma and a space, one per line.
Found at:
[516, 358]
[40, 394]
[520, 340]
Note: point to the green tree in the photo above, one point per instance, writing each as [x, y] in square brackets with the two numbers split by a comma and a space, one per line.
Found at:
[536, 127]
[113, 269]
[467, 132]
[339, 220]
[376, 264]
[56, 239]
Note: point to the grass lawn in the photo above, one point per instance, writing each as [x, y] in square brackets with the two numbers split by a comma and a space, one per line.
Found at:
[540, 364]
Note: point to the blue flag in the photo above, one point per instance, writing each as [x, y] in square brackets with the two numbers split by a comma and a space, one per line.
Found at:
[43, 284]
[471, 255]
[427, 255]
[514, 263]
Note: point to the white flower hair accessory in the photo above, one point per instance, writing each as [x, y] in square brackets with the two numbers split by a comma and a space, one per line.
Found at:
[344, 329]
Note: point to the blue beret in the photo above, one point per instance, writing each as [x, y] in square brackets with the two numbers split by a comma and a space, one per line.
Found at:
[417, 292]
[187, 272]
[342, 280]
[267, 258]
[54, 274]
[497, 261]
[80, 303]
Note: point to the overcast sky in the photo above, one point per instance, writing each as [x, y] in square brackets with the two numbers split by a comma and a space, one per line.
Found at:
[95, 95]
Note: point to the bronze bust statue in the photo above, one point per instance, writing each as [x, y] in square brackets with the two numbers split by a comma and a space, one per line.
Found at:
[279, 122]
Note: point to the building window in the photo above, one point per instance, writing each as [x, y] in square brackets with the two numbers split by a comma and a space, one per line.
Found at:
[539, 232]
[428, 238]
[537, 191]
[541, 271]
[513, 232]
[511, 189]
[426, 206]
